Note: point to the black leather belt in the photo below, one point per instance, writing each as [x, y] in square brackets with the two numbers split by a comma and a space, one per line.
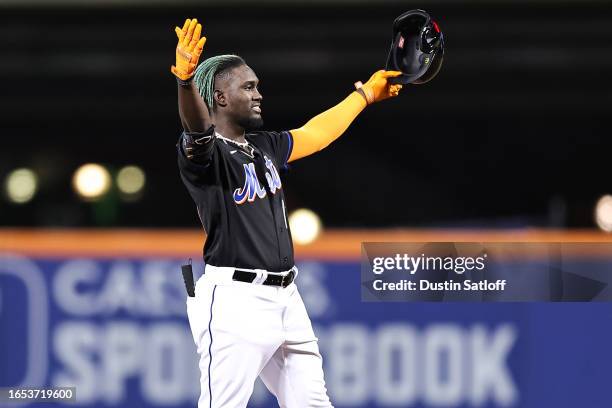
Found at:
[272, 280]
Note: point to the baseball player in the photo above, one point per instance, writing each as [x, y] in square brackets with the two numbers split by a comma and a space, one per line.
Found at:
[247, 317]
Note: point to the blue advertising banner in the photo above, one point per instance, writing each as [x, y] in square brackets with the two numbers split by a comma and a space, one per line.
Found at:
[116, 329]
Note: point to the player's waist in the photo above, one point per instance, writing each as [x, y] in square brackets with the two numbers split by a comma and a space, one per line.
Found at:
[254, 276]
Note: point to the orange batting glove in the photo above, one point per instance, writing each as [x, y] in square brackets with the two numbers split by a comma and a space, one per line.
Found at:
[188, 49]
[377, 88]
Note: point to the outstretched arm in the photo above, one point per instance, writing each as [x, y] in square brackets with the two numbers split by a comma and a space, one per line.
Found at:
[326, 127]
[192, 109]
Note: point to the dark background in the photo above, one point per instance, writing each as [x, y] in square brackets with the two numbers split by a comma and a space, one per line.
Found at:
[512, 132]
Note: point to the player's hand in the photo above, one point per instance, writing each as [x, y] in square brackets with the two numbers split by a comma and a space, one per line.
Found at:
[378, 88]
[188, 49]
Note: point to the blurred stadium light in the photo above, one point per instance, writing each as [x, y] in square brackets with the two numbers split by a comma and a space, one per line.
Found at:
[305, 226]
[91, 181]
[131, 180]
[603, 213]
[21, 185]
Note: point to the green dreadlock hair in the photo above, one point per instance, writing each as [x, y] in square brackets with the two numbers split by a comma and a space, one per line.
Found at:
[207, 71]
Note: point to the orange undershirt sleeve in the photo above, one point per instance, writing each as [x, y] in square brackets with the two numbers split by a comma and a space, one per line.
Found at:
[326, 127]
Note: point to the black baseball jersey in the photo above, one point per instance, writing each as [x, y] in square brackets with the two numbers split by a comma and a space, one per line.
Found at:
[245, 219]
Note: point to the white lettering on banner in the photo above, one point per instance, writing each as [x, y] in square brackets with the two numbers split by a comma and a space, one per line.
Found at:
[100, 360]
[347, 356]
[394, 365]
[166, 375]
[491, 377]
[83, 288]
[71, 276]
[118, 293]
[75, 345]
[443, 348]
[396, 353]
[163, 288]
[445, 365]
[116, 354]
[121, 358]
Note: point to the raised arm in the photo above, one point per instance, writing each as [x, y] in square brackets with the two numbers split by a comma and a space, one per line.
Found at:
[326, 127]
[192, 109]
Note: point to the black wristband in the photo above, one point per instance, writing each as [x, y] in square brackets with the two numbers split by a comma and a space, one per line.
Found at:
[184, 82]
[197, 146]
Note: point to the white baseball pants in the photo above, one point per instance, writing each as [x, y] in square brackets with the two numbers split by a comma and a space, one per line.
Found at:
[244, 330]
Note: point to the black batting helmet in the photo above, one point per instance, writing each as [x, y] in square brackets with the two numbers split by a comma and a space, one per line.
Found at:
[417, 48]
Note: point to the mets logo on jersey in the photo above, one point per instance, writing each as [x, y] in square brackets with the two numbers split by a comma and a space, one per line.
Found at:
[252, 188]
